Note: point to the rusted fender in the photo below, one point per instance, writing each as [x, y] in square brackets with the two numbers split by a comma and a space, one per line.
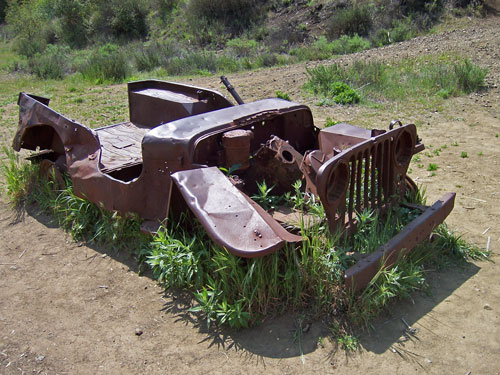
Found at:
[359, 276]
[230, 218]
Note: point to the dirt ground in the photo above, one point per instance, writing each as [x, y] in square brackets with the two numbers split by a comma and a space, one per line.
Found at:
[67, 308]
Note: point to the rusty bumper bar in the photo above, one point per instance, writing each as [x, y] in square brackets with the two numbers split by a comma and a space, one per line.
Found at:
[359, 276]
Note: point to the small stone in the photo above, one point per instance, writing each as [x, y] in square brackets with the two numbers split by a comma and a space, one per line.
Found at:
[487, 307]
[138, 332]
[40, 358]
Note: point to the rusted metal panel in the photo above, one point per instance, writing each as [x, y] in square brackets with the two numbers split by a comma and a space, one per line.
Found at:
[358, 276]
[154, 102]
[229, 219]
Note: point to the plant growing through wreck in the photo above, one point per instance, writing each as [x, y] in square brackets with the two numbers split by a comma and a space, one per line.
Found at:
[236, 291]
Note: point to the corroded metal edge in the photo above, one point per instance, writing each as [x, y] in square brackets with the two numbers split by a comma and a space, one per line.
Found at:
[359, 276]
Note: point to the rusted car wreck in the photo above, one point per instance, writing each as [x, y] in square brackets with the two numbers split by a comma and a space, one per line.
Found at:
[169, 155]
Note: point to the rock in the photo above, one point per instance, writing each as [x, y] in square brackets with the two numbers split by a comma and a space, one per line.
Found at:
[138, 332]
[40, 358]
[487, 307]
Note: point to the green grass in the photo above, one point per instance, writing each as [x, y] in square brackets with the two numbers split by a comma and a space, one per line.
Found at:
[418, 78]
[432, 167]
[239, 292]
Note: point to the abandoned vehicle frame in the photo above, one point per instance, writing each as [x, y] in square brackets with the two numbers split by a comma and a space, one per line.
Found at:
[170, 153]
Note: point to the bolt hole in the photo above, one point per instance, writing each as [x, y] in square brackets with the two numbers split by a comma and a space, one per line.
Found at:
[287, 156]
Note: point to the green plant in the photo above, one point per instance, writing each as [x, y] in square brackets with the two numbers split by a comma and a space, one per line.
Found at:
[106, 64]
[283, 95]
[242, 47]
[470, 77]
[51, 64]
[432, 167]
[408, 78]
[235, 291]
[348, 343]
[233, 16]
[463, 154]
[20, 177]
[330, 122]
[350, 21]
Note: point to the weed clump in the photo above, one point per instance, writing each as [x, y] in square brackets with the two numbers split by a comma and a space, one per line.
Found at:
[107, 64]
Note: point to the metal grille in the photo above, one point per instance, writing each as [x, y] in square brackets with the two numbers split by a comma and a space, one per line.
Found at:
[374, 176]
[370, 181]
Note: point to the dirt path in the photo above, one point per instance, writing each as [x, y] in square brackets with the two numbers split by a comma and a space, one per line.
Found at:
[66, 308]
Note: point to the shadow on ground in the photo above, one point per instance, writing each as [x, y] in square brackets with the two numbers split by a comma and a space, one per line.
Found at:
[391, 329]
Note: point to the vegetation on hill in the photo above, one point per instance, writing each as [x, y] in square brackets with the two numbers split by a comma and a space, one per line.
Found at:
[109, 40]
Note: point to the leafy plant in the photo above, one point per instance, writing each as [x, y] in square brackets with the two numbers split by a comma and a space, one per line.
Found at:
[432, 167]
[348, 342]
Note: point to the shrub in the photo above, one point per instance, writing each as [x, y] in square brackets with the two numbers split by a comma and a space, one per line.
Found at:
[401, 31]
[122, 19]
[242, 47]
[470, 77]
[52, 63]
[72, 16]
[27, 22]
[350, 21]
[155, 53]
[234, 16]
[342, 93]
[346, 44]
[108, 63]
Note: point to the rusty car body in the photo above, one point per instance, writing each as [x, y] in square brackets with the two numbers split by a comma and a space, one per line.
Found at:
[170, 153]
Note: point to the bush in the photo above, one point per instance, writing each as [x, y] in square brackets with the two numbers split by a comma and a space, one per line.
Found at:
[121, 19]
[72, 19]
[105, 64]
[27, 22]
[401, 31]
[470, 77]
[242, 47]
[154, 54]
[350, 21]
[346, 44]
[51, 64]
[321, 49]
[342, 93]
[234, 15]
